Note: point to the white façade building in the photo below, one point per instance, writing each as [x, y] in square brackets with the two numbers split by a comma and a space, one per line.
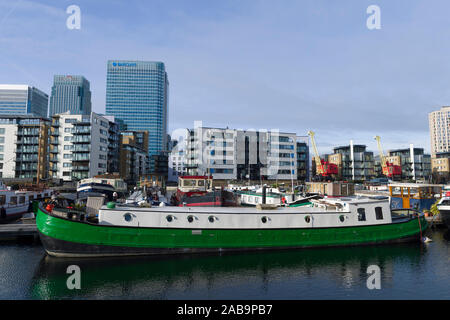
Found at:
[177, 154]
[232, 154]
[83, 146]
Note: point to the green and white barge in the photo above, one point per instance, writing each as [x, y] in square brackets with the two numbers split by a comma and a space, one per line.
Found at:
[122, 230]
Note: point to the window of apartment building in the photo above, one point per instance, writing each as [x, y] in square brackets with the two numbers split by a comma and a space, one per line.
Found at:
[68, 138]
[70, 120]
[2, 130]
[67, 130]
[1, 156]
[102, 165]
[1, 148]
[102, 157]
[103, 140]
[68, 147]
[103, 132]
[67, 164]
[103, 149]
[2, 139]
[67, 156]
[66, 173]
[285, 139]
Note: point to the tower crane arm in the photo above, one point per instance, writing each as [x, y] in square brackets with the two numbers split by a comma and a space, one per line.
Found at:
[316, 152]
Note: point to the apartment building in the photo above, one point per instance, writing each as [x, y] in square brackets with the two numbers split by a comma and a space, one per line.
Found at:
[439, 124]
[230, 154]
[440, 167]
[416, 165]
[353, 162]
[83, 146]
[176, 163]
[24, 147]
[133, 155]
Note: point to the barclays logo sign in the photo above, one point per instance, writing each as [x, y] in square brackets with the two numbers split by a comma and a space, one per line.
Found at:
[123, 64]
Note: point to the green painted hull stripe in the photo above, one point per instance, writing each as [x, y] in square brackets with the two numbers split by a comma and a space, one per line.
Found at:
[76, 232]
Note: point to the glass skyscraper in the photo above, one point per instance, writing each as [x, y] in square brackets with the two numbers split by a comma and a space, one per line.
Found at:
[70, 93]
[22, 99]
[137, 95]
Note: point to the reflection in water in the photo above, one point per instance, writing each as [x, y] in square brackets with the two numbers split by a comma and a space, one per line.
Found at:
[270, 275]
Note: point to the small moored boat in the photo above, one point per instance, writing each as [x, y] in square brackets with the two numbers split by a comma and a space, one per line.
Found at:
[444, 209]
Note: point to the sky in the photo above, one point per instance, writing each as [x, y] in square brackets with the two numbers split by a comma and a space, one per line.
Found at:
[289, 65]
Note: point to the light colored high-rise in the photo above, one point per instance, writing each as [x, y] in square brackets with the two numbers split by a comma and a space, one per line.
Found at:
[17, 99]
[83, 146]
[439, 123]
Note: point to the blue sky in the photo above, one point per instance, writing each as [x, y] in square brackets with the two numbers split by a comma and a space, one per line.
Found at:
[288, 65]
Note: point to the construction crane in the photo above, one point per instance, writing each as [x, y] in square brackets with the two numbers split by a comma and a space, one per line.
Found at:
[390, 170]
[323, 168]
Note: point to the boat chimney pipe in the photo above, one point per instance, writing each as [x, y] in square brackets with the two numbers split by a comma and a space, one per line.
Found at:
[264, 194]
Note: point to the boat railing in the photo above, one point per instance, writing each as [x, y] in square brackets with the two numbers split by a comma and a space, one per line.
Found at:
[321, 203]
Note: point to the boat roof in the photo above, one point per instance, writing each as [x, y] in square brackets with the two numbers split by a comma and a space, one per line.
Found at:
[217, 210]
[253, 210]
[415, 185]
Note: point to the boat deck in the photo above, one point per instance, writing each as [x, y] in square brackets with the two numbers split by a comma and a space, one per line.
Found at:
[225, 210]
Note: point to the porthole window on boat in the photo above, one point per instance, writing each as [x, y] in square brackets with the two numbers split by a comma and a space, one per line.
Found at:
[211, 219]
[308, 219]
[190, 219]
[361, 214]
[169, 218]
[264, 219]
[341, 218]
[127, 217]
[379, 213]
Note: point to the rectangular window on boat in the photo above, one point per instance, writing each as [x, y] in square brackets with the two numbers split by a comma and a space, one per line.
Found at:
[13, 200]
[361, 214]
[2, 199]
[21, 199]
[379, 213]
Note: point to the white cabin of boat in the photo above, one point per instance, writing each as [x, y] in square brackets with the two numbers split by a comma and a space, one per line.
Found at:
[195, 183]
[343, 212]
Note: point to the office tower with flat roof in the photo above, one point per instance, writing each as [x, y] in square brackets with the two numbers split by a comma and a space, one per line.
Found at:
[22, 100]
[137, 94]
[70, 93]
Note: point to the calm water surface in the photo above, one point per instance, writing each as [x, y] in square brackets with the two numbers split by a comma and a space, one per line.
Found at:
[412, 271]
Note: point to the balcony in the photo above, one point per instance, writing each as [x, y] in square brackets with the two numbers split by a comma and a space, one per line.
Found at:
[81, 148]
[80, 168]
[81, 139]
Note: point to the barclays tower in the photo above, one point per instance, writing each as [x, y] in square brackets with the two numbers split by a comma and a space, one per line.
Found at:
[137, 95]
